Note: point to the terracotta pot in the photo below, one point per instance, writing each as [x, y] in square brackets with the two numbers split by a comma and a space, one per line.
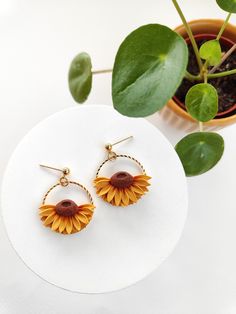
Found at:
[208, 27]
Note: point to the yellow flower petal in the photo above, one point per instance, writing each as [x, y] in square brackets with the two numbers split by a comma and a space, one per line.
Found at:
[63, 223]
[90, 206]
[88, 214]
[69, 225]
[137, 190]
[104, 190]
[101, 179]
[131, 195]
[117, 197]
[46, 206]
[141, 187]
[141, 183]
[142, 177]
[101, 184]
[125, 198]
[76, 224]
[111, 193]
[56, 223]
[46, 212]
[50, 219]
[82, 218]
[87, 207]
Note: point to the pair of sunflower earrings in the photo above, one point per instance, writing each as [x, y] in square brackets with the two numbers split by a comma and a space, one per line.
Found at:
[121, 189]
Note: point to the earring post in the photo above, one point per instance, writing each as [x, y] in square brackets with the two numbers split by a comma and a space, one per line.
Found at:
[125, 139]
[64, 170]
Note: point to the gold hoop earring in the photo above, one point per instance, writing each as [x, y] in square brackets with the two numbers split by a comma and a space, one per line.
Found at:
[122, 188]
[66, 217]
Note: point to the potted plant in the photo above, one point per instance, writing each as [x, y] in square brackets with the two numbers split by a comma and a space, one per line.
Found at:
[155, 64]
[206, 29]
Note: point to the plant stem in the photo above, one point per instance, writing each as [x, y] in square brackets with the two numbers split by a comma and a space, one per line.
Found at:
[190, 33]
[192, 77]
[201, 126]
[205, 68]
[102, 71]
[221, 74]
[226, 55]
[223, 26]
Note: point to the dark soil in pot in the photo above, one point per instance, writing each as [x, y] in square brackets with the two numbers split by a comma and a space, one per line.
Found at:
[225, 86]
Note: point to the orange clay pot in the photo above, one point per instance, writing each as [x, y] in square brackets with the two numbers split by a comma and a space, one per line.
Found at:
[205, 26]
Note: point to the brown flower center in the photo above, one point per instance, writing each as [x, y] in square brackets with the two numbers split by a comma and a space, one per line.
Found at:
[121, 180]
[66, 208]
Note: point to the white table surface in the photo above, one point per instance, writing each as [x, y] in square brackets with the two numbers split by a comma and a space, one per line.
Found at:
[38, 40]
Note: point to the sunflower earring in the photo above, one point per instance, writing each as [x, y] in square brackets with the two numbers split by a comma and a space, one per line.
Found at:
[122, 188]
[66, 217]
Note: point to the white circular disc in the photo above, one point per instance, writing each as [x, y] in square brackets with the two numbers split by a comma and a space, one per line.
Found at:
[121, 245]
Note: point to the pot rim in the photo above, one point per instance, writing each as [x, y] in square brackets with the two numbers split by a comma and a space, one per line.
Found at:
[210, 21]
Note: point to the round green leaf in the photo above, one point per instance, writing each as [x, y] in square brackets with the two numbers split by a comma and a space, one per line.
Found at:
[199, 152]
[149, 67]
[227, 5]
[211, 51]
[202, 102]
[80, 77]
